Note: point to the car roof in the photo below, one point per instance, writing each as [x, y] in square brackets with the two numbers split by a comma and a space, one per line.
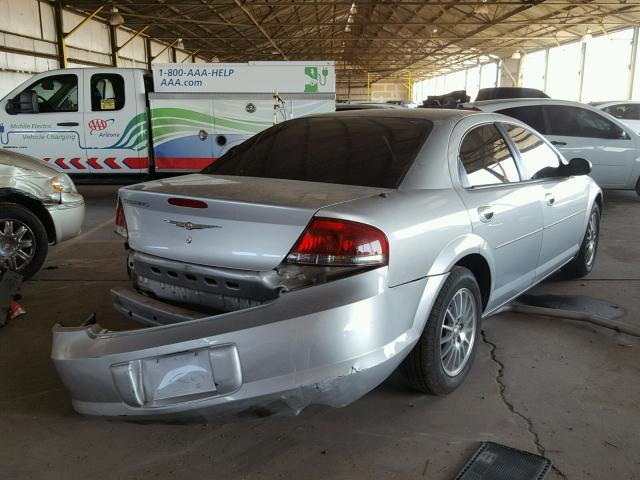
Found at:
[527, 101]
[436, 115]
[614, 102]
[363, 106]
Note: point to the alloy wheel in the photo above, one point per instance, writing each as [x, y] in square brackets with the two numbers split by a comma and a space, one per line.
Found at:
[17, 244]
[458, 332]
[592, 239]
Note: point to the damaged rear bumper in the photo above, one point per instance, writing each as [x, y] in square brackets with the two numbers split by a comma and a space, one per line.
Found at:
[328, 344]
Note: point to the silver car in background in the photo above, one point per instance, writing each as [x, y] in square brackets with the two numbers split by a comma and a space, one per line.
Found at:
[626, 111]
[311, 261]
[39, 206]
[579, 130]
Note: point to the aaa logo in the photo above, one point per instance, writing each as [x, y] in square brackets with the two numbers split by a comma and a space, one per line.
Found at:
[98, 124]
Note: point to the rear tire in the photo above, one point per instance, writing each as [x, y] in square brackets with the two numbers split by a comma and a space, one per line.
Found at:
[443, 356]
[586, 258]
[23, 240]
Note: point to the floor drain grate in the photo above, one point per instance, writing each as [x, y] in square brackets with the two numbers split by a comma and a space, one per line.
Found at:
[498, 462]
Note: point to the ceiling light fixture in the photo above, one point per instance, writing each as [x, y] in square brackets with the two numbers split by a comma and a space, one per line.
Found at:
[179, 44]
[482, 9]
[516, 55]
[352, 11]
[114, 18]
[587, 37]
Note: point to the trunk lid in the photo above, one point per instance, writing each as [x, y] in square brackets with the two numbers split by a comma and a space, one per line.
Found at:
[248, 223]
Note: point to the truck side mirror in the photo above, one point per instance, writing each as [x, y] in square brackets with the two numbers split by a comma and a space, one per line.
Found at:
[25, 102]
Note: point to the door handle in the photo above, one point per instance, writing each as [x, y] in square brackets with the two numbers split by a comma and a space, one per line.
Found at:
[68, 124]
[485, 213]
[558, 144]
[550, 198]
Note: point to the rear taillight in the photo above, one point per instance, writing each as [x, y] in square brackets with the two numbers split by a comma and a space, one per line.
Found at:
[340, 243]
[121, 221]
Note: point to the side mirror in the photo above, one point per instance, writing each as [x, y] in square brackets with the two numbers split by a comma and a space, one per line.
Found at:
[578, 166]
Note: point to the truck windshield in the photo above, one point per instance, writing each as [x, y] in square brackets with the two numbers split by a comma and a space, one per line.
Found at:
[373, 151]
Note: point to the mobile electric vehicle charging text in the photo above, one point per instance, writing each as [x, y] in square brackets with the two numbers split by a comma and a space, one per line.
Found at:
[101, 122]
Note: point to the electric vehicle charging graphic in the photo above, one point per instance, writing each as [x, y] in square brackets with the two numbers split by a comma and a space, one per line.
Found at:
[313, 79]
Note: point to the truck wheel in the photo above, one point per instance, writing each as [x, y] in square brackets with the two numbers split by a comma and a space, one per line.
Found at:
[443, 356]
[23, 240]
[586, 258]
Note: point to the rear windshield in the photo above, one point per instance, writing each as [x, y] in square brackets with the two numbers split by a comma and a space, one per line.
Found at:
[350, 150]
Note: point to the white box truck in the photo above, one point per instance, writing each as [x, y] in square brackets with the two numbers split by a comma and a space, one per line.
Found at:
[177, 118]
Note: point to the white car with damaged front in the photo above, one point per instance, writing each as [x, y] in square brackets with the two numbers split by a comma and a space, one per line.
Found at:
[311, 261]
[39, 206]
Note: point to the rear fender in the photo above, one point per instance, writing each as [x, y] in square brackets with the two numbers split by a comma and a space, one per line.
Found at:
[459, 248]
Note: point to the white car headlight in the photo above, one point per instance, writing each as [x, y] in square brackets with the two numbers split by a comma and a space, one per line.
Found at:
[62, 184]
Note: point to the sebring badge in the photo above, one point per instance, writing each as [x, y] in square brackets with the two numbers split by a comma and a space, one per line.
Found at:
[190, 226]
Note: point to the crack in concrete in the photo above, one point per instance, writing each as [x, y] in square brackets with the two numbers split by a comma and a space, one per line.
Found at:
[511, 407]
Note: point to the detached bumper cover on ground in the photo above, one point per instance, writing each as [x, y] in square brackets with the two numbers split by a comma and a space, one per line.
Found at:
[329, 344]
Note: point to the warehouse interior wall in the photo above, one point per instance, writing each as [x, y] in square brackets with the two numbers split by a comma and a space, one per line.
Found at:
[482, 75]
[28, 43]
[593, 68]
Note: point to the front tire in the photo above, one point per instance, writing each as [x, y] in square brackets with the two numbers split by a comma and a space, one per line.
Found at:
[586, 258]
[443, 356]
[23, 240]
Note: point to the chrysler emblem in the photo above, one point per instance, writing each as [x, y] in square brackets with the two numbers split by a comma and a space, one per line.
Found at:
[190, 226]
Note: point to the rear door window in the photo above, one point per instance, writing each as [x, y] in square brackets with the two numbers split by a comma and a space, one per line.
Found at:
[536, 156]
[373, 151]
[486, 158]
[569, 121]
[532, 115]
[624, 111]
[107, 92]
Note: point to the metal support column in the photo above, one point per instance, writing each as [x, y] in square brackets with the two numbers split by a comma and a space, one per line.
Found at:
[583, 57]
[113, 42]
[546, 69]
[147, 46]
[62, 55]
[633, 63]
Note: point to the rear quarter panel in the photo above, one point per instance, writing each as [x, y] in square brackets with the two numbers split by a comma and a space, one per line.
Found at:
[428, 230]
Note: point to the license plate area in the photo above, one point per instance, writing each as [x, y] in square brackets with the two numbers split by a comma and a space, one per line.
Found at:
[179, 377]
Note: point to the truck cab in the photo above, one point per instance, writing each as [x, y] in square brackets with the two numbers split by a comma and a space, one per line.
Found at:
[112, 121]
[82, 121]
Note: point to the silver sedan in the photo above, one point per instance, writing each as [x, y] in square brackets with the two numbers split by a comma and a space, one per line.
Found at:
[310, 262]
[39, 206]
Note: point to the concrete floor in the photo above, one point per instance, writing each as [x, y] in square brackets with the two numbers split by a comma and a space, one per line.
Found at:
[567, 390]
